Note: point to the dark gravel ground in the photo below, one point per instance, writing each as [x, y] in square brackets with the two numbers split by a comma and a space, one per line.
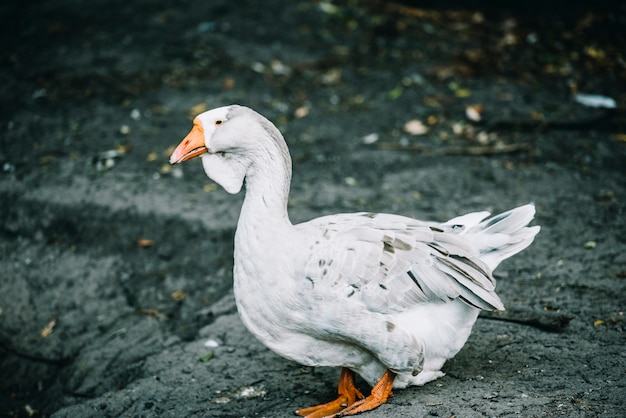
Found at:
[115, 289]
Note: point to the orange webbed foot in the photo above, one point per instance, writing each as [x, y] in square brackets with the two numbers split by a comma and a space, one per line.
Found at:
[348, 395]
[380, 393]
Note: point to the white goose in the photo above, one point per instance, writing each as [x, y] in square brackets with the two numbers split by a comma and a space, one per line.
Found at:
[386, 296]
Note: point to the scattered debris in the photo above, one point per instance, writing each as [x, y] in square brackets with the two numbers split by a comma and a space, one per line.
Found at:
[107, 159]
[474, 112]
[415, 127]
[228, 83]
[328, 8]
[594, 100]
[590, 245]
[155, 313]
[279, 68]
[396, 92]
[30, 411]
[145, 243]
[211, 343]
[301, 112]
[483, 138]
[207, 357]
[370, 138]
[178, 296]
[8, 167]
[616, 318]
[462, 92]
[209, 187]
[246, 392]
[332, 76]
[135, 114]
[258, 67]
[165, 169]
[47, 330]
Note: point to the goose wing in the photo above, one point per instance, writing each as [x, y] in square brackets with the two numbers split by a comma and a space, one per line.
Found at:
[392, 263]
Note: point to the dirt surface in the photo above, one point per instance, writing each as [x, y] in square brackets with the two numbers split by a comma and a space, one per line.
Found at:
[115, 289]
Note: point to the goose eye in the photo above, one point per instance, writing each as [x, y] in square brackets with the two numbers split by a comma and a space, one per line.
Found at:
[218, 122]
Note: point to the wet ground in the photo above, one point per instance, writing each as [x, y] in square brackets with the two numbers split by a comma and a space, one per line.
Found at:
[115, 289]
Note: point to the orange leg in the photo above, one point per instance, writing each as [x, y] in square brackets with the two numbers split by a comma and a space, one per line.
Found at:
[380, 393]
[348, 394]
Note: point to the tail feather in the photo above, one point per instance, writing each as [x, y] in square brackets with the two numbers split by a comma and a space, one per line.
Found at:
[502, 236]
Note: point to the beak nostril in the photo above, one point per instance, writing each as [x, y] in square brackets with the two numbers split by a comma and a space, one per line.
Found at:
[191, 146]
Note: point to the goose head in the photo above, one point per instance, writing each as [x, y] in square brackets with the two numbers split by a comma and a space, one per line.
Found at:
[231, 141]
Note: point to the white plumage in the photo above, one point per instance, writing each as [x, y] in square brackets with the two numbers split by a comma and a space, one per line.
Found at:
[365, 291]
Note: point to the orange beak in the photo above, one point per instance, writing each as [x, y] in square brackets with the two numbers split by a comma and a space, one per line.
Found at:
[191, 146]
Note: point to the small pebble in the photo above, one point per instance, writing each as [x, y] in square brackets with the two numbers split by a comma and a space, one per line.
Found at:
[350, 181]
[211, 344]
[370, 138]
[590, 245]
[415, 127]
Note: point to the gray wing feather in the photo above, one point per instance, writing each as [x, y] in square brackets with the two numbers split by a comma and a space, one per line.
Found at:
[392, 263]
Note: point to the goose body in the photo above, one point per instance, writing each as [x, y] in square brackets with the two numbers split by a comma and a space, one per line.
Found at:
[385, 296]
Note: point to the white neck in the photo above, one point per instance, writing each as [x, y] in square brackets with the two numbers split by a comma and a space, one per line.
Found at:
[268, 178]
